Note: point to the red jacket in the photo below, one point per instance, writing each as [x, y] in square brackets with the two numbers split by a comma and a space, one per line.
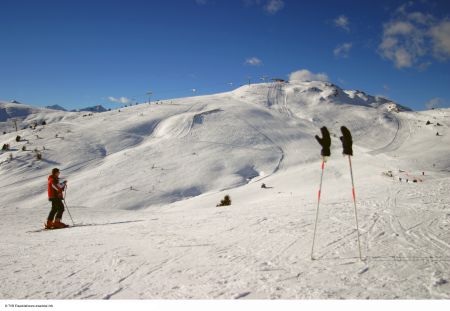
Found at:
[55, 189]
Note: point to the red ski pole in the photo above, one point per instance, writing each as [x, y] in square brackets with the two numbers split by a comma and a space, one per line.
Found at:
[318, 205]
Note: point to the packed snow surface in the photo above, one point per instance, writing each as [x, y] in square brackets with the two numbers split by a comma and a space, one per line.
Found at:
[144, 182]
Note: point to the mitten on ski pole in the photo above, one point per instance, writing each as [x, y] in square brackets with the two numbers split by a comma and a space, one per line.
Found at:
[325, 142]
[347, 141]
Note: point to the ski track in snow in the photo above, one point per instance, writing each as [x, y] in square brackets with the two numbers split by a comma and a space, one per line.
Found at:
[401, 135]
[184, 247]
[178, 257]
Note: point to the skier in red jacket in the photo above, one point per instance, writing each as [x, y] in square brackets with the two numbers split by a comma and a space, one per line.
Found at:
[55, 195]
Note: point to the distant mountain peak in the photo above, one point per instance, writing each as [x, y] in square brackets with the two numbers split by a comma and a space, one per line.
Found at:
[56, 107]
[97, 108]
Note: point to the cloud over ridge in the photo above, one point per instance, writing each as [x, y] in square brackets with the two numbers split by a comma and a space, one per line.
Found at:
[306, 75]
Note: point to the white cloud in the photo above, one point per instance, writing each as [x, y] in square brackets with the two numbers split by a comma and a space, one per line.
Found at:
[433, 103]
[410, 39]
[306, 75]
[273, 6]
[398, 28]
[388, 43]
[342, 50]
[403, 43]
[403, 58]
[440, 35]
[342, 22]
[421, 18]
[253, 61]
[121, 100]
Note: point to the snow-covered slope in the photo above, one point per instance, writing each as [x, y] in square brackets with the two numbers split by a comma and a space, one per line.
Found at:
[146, 180]
[25, 115]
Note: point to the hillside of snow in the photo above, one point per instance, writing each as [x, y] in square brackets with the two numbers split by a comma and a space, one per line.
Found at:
[25, 116]
[144, 182]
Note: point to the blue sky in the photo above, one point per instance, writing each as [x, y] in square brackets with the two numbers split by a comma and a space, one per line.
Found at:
[83, 53]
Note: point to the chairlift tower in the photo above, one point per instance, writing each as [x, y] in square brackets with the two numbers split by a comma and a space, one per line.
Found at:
[149, 93]
[15, 123]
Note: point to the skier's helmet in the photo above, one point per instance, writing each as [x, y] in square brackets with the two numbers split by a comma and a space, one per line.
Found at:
[55, 170]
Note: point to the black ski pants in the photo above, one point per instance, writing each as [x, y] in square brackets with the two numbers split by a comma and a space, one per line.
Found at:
[57, 209]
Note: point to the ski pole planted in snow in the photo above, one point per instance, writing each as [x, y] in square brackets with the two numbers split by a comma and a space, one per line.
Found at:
[325, 142]
[347, 143]
[317, 211]
[67, 207]
[354, 203]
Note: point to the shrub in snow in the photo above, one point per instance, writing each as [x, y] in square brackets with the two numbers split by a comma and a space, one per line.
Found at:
[225, 202]
[5, 147]
[38, 155]
[44, 123]
[428, 122]
[17, 138]
[24, 148]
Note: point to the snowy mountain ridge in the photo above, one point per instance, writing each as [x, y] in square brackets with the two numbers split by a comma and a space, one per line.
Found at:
[56, 107]
[261, 127]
